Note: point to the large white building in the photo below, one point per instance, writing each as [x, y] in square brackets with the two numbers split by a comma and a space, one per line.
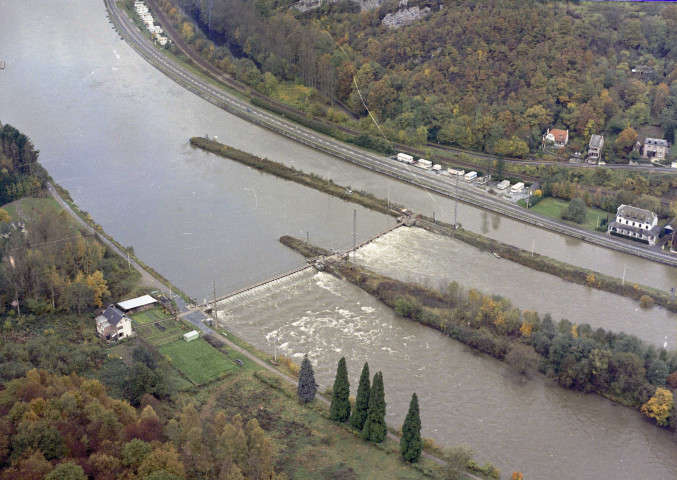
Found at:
[635, 223]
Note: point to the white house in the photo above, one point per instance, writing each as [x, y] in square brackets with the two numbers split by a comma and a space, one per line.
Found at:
[655, 148]
[113, 325]
[556, 137]
[635, 223]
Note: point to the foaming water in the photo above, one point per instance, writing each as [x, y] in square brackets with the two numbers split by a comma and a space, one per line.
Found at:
[532, 426]
[416, 255]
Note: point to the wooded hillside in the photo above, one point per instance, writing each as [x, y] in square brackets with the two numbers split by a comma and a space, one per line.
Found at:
[478, 74]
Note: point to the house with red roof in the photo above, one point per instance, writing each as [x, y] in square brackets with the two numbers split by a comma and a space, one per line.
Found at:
[555, 138]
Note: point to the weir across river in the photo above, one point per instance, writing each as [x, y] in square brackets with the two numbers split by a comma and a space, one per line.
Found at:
[312, 263]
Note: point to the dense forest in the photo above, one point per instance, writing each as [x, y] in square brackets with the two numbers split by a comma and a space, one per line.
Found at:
[68, 427]
[481, 75]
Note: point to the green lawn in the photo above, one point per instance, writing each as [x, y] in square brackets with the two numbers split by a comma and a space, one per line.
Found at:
[11, 210]
[307, 445]
[160, 333]
[198, 360]
[149, 316]
[553, 207]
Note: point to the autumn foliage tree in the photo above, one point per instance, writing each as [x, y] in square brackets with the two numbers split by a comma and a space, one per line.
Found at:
[659, 407]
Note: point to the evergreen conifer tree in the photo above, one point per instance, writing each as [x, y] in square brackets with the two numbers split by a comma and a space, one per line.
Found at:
[362, 399]
[411, 444]
[340, 403]
[307, 387]
[375, 429]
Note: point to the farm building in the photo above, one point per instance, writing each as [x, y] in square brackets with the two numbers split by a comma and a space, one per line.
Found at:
[137, 304]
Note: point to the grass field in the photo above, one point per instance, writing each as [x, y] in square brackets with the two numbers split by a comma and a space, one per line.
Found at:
[198, 360]
[149, 316]
[553, 207]
[158, 334]
[307, 445]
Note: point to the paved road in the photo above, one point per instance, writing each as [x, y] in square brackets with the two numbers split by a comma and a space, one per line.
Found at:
[429, 181]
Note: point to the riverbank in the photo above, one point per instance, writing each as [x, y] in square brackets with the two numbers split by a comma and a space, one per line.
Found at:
[579, 275]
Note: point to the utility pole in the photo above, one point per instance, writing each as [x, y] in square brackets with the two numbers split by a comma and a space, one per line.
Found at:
[354, 232]
[456, 203]
[214, 308]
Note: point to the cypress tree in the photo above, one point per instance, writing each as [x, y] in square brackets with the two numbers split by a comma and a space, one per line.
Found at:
[362, 400]
[411, 444]
[340, 403]
[375, 429]
[307, 387]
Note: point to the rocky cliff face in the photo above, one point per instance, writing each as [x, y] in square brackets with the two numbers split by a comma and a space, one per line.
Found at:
[305, 5]
[404, 17]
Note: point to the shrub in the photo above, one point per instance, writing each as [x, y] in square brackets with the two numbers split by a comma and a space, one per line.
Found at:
[672, 380]
[646, 301]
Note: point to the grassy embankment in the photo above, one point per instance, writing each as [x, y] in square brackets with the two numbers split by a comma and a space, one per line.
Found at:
[579, 275]
[553, 208]
[307, 444]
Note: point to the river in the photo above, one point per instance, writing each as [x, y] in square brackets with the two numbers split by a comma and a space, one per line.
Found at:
[114, 132]
[414, 254]
[532, 426]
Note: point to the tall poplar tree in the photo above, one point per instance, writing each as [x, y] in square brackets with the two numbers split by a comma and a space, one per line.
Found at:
[411, 444]
[375, 429]
[362, 399]
[340, 403]
[307, 387]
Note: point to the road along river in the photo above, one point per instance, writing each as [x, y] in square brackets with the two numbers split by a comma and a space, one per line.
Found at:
[532, 426]
[114, 132]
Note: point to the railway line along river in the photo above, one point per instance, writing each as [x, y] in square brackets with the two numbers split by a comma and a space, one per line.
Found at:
[114, 132]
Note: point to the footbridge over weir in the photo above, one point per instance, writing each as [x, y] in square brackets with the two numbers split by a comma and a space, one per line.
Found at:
[313, 263]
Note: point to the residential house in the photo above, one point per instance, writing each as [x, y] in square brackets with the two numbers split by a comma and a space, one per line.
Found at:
[655, 148]
[112, 325]
[635, 223]
[556, 137]
[595, 148]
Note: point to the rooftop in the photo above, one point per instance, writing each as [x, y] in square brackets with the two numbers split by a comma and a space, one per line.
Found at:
[136, 302]
[656, 141]
[636, 214]
[112, 315]
[596, 141]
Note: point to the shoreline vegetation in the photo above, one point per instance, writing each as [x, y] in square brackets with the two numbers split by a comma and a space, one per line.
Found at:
[579, 275]
[617, 366]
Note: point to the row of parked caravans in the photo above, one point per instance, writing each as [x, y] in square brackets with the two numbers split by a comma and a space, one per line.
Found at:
[468, 177]
[420, 163]
[472, 176]
[148, 20]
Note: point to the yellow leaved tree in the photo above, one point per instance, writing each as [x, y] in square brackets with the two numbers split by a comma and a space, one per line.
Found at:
[659, 406]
